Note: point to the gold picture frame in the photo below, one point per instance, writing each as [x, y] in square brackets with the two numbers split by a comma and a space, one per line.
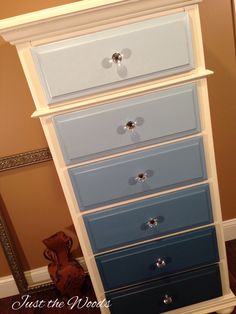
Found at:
[25, 159]
[6, 238]
[13, 259]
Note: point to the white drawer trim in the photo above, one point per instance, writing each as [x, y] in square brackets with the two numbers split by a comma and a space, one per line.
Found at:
[121, 94]
[61, 19]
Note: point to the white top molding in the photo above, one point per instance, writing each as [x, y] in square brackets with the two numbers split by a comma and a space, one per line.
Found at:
[80, 15]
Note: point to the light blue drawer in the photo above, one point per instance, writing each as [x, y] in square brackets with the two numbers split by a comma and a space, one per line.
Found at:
[157, 259]
[131, 223]
[138, 174]
[168, 294]
[128, 124]
[115, 57]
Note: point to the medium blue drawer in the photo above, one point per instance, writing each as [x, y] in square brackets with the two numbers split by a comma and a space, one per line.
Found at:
[115, 57]
[168, 294]
[138, 174]
[123, 125]
[159, 258]
[170, 213]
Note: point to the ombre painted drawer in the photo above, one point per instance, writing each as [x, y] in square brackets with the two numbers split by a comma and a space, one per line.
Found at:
[157, 259]
[149, 218]
[128, 124]
[115, 57]
[140, 173]
[121, 92]
[169, 293]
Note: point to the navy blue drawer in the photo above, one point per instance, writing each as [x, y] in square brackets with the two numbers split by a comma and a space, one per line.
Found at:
[127, 124]
[131, 223]
[115, 57]
[168, 294]
[159, 258]
[138, 174]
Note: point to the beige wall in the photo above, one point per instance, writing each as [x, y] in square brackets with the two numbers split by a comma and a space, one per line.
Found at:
[219, 46]
[33, 196]
[16, 7]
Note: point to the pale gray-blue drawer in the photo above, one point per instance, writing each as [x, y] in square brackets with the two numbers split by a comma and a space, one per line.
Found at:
[149, 218]
[168, 294]
[115, 57]
[128, 124]
[138, 174]
[157, 259]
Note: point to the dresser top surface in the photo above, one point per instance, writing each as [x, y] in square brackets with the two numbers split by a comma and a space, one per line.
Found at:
[57, 11]
[84, 6]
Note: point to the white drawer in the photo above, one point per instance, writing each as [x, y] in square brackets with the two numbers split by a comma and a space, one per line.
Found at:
[115, 57]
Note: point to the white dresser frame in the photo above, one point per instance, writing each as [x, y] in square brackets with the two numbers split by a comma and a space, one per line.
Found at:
[90, 16]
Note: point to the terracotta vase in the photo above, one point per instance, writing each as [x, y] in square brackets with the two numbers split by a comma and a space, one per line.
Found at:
[66, 273]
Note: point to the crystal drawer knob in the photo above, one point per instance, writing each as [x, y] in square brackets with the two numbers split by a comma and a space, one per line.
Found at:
[130, 125]
[116, 57]
[167, 299]
[160, 263]
[141, 177]
[152, 222]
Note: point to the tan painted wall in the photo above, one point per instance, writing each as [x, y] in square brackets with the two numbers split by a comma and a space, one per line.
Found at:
[33, 196]
[219, 46]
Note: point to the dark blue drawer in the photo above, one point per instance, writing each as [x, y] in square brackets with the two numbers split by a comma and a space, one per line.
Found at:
[127, 124]
[138, 174]
[131, 223]
[159, 258]
[168, 294]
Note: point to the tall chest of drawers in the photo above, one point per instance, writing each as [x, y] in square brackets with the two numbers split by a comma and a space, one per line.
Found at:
[120, 89]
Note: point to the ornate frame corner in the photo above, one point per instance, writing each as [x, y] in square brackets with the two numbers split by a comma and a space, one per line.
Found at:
[13, 259]
[25, 159]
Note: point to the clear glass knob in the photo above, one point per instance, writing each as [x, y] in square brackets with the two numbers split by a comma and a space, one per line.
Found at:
[167, 299]
[141, 177]
[116, 57]
[160, 263]
[130, 125]
[152, 222]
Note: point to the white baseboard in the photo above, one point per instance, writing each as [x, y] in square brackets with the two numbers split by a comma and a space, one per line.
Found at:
[229, 229]
[41, 275]
[34, 277]
[7, 287]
